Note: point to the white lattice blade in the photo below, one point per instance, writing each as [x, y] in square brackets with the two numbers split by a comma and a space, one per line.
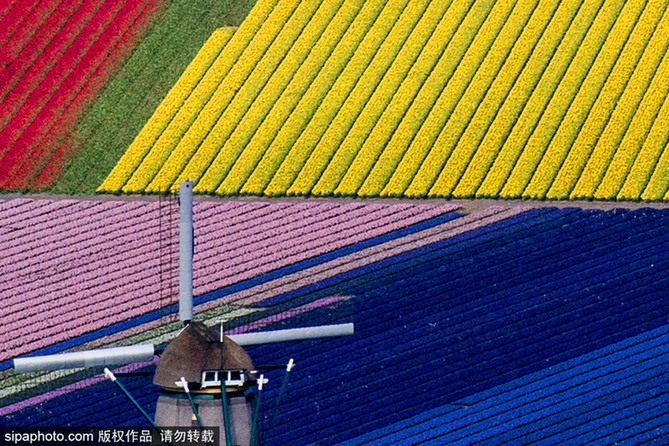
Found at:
[86, 358]
[292, 334]
[186, 249]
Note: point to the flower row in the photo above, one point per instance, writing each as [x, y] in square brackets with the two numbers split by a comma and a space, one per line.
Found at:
[515, 165]
[405, 64]
[498, 145]
[430, 29]
[240, 168]
[76, 282]
[39, 84]
[635, 50]
[12, 21]
[315, 111]
[479, 161]
[588, 60]
[136, 169]
[412, 117]
[442, 129]
[210, 125]
[412, 106]
[339, 143]
[47, 39]
[649, 176]
[260, 91]
[583, 102]
[627, 152]
[271, 141]
[56, 141]
[622, 115]
[381, 80]
[353, 70]
[363, 71]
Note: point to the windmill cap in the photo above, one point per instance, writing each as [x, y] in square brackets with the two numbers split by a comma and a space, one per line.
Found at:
[196, 349]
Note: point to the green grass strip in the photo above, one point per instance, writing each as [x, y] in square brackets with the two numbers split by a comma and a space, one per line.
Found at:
[165, 112]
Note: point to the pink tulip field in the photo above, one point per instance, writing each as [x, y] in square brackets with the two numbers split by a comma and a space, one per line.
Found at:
[86, 264]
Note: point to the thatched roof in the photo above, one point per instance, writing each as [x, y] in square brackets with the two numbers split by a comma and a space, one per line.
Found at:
[197, 348]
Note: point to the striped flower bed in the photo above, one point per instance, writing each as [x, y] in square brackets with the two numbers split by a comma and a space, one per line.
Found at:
[503, 325]
[119, 112]
[169, 136]
[505, 99]
[84, 265]
[548, 407]
[57, 61]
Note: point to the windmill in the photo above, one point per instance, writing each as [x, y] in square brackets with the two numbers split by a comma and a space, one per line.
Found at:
[205, 376]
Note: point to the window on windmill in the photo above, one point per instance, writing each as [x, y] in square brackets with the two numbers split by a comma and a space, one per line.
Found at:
[235, 378]
[210, 378]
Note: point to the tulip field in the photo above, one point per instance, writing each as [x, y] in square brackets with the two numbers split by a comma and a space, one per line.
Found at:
[79, 79]
[480, 186]
[88, 273]
[85, 265]
[538, 324]
[57, 56]
[419, 98]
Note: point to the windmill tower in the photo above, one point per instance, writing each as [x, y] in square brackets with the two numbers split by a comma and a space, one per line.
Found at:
[205, 380]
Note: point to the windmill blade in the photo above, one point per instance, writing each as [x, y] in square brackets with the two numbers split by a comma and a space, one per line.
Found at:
[292, 334]
[86, 358]
[186, 248]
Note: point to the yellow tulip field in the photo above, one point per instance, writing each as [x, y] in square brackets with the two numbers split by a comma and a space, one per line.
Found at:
[532, 99]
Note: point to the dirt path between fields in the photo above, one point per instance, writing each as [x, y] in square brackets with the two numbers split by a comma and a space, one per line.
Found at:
[467, 206]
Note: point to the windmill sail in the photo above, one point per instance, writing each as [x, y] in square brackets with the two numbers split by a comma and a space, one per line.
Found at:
[86, 358]
[186, 251]
[292, 334]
